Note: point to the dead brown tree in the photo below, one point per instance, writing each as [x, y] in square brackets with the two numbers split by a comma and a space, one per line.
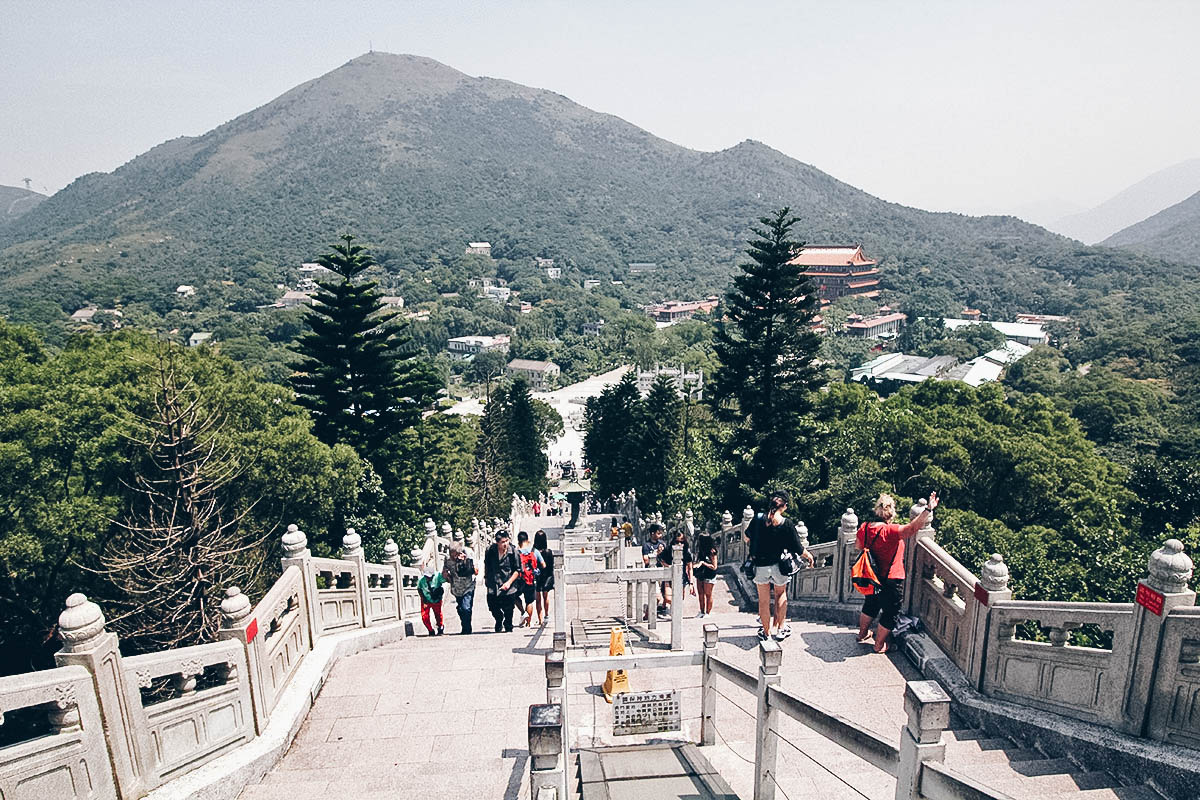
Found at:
[178, 545]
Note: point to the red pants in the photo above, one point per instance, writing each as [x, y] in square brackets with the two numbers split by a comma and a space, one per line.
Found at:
[437, 613]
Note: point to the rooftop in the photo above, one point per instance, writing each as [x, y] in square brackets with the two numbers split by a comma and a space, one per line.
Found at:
[832, 256]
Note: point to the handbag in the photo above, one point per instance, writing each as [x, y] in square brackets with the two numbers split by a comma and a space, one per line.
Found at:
[789, 565]
[748, 567]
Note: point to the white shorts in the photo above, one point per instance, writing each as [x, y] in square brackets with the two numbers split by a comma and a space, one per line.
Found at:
[772, 575]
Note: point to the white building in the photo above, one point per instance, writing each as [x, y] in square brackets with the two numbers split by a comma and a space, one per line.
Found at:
[540, 374]
[479, 249]
[184, 290]
[689, 384]
[312, 270]
[497, 294]
[392, 301]
[198, 338]
[293, 298]
[1026, 333]
[465, 348]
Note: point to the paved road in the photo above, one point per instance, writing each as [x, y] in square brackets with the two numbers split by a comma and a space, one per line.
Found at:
[449, 713]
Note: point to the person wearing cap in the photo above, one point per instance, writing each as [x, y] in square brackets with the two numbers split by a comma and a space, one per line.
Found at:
[430, 588]
[768, 536]
[460, 571]
[501, 571]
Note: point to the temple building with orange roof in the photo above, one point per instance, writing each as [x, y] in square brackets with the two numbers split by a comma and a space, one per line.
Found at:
[839, 270]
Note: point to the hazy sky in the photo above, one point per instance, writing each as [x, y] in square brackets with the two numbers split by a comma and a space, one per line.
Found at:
[966, 105]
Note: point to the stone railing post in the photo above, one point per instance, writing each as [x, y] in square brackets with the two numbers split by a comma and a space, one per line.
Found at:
[295, 551]
[555, 671]
[86, 643]
[237, 624]
[430, 549]
[545, 750]
[928, 709]
[910, 555]
[560, 593]
[391, 557]
[992, 588]
[766, 745]
[559, 642]
[352, 551]
[844, 557]
[743, 528]
[677, 597]
[726, 528]
[708, 687]
[1165, 587]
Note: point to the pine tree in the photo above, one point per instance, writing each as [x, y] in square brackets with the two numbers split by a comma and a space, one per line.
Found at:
[661, 445]
[614, 422]
[355, 372]
[767, 349]
[527, 460]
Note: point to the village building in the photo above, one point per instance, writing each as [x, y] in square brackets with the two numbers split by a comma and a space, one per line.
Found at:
[497, 294]
[972, 313]
[592, 328]
[638, 267]
[392, 301]
[479, 249]
[673, 311]
[903, 368]
[839, 271]
[312, 270]
[1041, 319]
[1026, 333]
[879, 326]
[87, 315]
[688, 384]
[198, 338]
[540, 374]
[293, 298]
[184, 290]
[590, 283]
[465, 348]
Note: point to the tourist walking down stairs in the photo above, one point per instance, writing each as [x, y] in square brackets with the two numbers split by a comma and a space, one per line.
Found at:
[531, 567]
[704, 570]
[460, 571]
[501, 571]
[545, 581]
[768, 536]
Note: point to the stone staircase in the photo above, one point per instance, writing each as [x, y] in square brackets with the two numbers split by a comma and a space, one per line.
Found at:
[1027, 774]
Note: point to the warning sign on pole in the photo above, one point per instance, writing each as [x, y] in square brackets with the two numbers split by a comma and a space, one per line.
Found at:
[615, 681]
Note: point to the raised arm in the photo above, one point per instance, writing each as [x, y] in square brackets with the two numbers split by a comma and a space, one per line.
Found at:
[919, 520]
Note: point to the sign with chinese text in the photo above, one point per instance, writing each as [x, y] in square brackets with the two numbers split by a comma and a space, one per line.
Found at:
[1149, 599]
[646, 712]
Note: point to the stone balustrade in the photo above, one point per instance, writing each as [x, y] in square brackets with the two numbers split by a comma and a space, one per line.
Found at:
[119, 727]
[1133, 667]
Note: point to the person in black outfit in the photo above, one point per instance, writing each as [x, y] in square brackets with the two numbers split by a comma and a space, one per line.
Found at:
[545, 579]
[768, 536]
[704, 570]
[665, 557]
[500, 572]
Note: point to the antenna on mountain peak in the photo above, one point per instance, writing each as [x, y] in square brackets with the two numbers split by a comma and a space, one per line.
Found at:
[27, 182]
[370, 46]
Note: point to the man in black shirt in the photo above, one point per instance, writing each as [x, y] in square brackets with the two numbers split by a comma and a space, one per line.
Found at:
[500, 571]
[768, 536]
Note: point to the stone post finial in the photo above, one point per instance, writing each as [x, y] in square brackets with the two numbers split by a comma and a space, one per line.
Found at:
[802, 532]
[726, 521]
[351, 544]
[849, 526]
[430, 528]
[1170, 568]
[447, 532]
[416, 553]
[391, 551]
[458, 535]
[295, 543]
[235, 607]
[994, 575]
[80, 623]
[928, 709]
[747, 514]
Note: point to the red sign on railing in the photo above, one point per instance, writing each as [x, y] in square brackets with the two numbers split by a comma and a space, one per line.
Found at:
[1149, 599]
[251, 630]
[981, 594]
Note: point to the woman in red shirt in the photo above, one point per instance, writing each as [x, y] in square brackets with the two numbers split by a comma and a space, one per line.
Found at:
[885, 540]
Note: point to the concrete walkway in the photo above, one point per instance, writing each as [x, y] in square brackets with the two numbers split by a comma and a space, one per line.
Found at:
[449, 713]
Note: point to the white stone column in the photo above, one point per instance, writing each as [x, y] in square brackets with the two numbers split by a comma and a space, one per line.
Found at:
[912, 581]
[993, 580]
[708, 687]
[86, 643]
[560, 593]
[766, 745]
[844, 558]
[235, 619]
[296, 553]
[352, 551]
[928, 709]
[1169, 571]
[677, 597]
[727, 552]
[391, 557]
[555, 673]
[546, 748]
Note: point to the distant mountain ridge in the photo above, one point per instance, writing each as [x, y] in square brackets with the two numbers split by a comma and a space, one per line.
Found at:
[418, 158]
[1172, 234]
[1143, 199]
[16, 202]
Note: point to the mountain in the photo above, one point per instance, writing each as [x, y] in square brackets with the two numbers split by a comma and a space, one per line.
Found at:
[1172, 234]
[418, 158]
[15, 202]
[1141, 200]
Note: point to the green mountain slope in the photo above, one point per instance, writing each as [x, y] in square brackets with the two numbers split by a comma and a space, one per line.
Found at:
[418, 158]
[16, 202]
[1173, 233]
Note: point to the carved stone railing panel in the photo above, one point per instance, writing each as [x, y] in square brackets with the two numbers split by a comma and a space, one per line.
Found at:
[207, 712]
[382, 597]
[1086, 683]
[72, 762]
[282, 638]
[944, 598]
[1175, 698]
[821, 581]
[338, 598]
[410, 598]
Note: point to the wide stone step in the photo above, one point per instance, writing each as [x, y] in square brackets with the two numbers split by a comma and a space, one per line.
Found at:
[1141, 792]
[988, 751]
[1020, 785]
[964, 735]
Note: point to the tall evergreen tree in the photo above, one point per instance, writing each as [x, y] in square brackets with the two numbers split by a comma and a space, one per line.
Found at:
[527, 460]
[355, 373]
[510, 453]
[767, 349]
[661, 444]
[613, 422]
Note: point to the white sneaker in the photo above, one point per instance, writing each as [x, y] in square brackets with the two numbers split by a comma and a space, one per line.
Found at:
[782, 633]
[700, 615]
